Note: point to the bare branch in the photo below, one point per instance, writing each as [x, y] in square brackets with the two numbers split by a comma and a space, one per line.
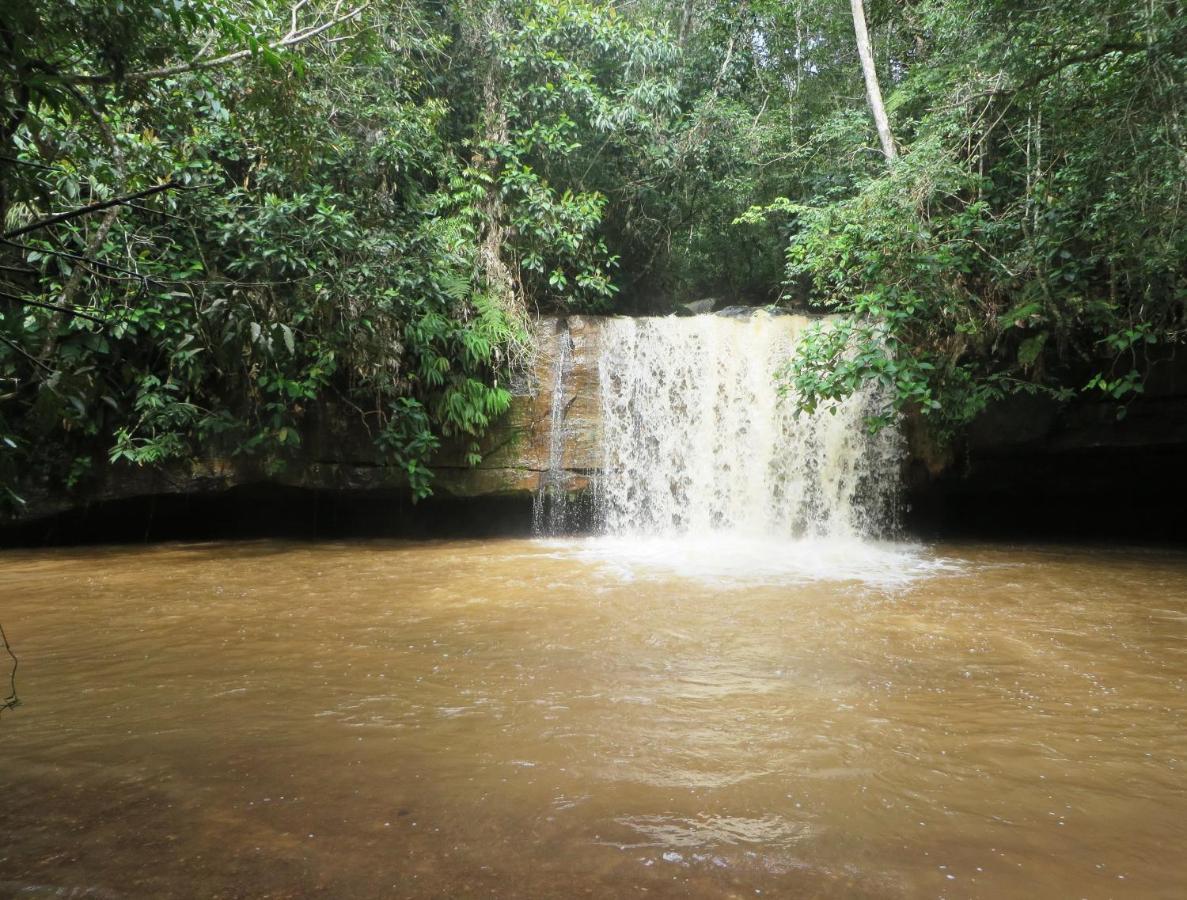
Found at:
[873, 91]
[87, 261]
[156, 212]
[25, 162]
[11, 701]
[35, 361]
[293, 21]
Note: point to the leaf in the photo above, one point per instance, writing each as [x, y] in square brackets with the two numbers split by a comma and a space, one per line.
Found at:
[1030, 349]
[1021, 313]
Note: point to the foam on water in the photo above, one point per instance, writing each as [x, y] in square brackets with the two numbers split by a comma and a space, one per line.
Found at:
[738, 560]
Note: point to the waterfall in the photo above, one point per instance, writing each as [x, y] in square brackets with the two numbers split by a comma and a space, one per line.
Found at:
[550, 502]
[696, 438]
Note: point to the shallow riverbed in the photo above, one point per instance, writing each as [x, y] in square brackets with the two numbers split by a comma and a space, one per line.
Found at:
[569, 718]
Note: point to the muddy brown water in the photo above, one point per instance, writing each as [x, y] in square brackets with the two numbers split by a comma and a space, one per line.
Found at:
[538, 719]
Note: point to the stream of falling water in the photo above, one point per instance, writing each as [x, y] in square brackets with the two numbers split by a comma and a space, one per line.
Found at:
[708, 471]
[550, 506]
[701, 444]
[698, 440]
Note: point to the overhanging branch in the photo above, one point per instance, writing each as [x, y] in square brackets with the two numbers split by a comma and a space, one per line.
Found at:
[91, 208]
[292, 38]
[26, 301]
[11, 701]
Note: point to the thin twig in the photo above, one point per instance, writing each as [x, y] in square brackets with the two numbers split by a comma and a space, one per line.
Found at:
[12, 701]
[27, 162]
[25, 353]
[157, 212]
[83, 259]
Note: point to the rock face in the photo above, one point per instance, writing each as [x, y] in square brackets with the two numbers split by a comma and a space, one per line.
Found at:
[1031, 466]
[1026, 463]
[339, 461]
[517, 451]
[698, 307]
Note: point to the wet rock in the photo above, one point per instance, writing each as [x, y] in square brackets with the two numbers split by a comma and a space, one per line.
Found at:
[697, 307]
[745, 312]
[736, 312]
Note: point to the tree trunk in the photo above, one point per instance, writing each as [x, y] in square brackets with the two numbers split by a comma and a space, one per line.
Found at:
[483, 22]
[684, 29]
[873, 92]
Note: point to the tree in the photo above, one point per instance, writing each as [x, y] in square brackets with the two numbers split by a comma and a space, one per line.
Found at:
[870, 73]
[222, 220]
[297, 262]
[1034, 237]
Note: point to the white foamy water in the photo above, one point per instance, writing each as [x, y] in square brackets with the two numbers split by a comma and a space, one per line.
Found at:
[697, 440]
[737, 560]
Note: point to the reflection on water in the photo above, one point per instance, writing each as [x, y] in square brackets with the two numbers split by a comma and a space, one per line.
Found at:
[557, 719]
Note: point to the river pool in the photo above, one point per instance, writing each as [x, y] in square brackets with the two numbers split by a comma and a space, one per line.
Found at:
[595, 717]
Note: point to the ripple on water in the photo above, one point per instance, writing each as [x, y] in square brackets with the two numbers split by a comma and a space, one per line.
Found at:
[713, 832]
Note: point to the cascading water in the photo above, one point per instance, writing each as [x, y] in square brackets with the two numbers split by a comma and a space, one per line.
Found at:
[550, 503]
[697, 440]
[702, 470]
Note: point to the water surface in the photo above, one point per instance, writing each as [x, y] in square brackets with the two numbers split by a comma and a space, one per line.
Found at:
[594, 718]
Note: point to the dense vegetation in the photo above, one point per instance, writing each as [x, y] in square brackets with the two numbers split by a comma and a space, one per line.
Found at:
[224, 220]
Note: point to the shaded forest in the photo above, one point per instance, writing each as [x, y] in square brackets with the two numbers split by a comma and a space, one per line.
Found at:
[218, 216]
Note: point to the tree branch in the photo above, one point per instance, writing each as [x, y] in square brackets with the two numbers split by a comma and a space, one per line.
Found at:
[873, 91]
[291, 39]
[11, 701]
[90, 208]
[16, 160]
[29, 356]
[1086, 56]
[65, 309]
[86, 261]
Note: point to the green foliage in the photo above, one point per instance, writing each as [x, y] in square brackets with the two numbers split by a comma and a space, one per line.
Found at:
[565, 86]
[1030, 238]
[354, 209]
[300, 265]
